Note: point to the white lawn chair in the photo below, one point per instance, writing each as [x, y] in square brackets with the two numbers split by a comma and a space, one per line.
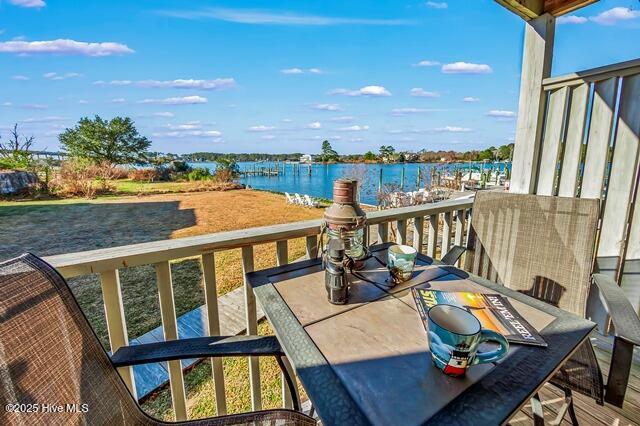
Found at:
[299, 199]
[310, 201]
[289, 198]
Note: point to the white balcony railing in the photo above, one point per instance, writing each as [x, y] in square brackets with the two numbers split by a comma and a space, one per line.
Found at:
[422, 221]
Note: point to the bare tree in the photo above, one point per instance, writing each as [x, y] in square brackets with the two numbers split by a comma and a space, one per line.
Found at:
[14, 146]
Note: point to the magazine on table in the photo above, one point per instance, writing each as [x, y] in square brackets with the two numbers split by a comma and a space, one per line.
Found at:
[492, 310]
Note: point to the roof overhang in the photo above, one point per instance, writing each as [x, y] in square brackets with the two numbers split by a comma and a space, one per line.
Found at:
[530, 9]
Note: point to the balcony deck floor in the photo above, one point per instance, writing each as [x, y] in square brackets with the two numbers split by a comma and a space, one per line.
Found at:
[587, 411]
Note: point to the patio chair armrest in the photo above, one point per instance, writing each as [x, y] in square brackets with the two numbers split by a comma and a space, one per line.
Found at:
[207, 347]
[453, 255]
[624, 317]
[199, 347]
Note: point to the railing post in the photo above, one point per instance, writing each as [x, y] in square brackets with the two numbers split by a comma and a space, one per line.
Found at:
[213, 328]
[401, 238]
[383, 232]
[446, 234]
[170, 329]
[282, 258]
[312, 246]
[433, 235]
[418, 233]
[116, 323]
[252, 327]
[459, 236]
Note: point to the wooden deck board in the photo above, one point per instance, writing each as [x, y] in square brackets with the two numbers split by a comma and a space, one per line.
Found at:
[587, 411]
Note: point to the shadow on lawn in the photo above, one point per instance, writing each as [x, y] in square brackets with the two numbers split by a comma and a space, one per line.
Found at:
[64, 228]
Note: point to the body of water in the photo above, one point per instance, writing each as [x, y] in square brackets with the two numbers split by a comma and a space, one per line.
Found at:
[316, 180]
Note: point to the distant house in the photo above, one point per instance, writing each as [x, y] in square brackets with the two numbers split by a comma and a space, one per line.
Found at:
[306, 158]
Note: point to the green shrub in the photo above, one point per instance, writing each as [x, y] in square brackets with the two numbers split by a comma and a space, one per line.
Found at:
[199, 173]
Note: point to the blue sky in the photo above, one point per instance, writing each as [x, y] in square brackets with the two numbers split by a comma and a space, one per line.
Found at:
[281, 76]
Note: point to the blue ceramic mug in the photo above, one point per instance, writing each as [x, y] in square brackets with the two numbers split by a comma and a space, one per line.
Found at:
[454, 338]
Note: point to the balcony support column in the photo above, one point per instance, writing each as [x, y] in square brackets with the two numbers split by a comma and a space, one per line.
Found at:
[536, 66]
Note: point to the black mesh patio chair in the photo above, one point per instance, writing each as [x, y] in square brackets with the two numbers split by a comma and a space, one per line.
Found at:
[544, 247]
[49, 355]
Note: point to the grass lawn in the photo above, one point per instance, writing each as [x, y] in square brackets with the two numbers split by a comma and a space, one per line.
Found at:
[63, 226]
[128, 186]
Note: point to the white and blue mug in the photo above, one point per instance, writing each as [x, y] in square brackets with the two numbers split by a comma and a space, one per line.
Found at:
[454, 338]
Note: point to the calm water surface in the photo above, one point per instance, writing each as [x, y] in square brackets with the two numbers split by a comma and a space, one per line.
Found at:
[319, 183]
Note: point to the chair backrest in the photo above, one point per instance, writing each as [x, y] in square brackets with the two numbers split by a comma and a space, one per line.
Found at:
[50, 355]
[541, 246]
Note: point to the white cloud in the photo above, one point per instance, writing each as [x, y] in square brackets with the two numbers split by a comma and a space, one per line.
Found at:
[118, 100]
[421, 93]
[571, 19]
[7, 104]
[46, 119]
[470, 99]
[292, 71]
[500, 113]
[56, 76]
[165, 114]
[261, 128]
[356, 140]
[20, 77]
[354, 128]
[427, 63]
[187, 126]
[327, 107]
[466, 68]
[286, 120]
[452, 129]
[315, 125]
[83, 101]
[437, 5]
[405, 111]
[184, 100]
[342, 119]
[216, 84]
[188, 133]
[113, 83]
[267, 137]
[612, 16]
[34, 106]
[64, 47]
[297, 70]
[373, 91]
[273, 17]
[37, 4]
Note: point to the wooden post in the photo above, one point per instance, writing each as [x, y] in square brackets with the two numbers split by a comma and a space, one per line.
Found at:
[446, 234]
[418, 233]
[282, 258]
[536, 66]
[252, 327]
[170, 329]
[401, 225]
[460, 230]
[116, 324]
[213, 328]
[311, 244]
[433, 235]
[383, 232]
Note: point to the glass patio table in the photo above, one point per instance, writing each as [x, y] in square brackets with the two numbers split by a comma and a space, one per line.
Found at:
[368, 362]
